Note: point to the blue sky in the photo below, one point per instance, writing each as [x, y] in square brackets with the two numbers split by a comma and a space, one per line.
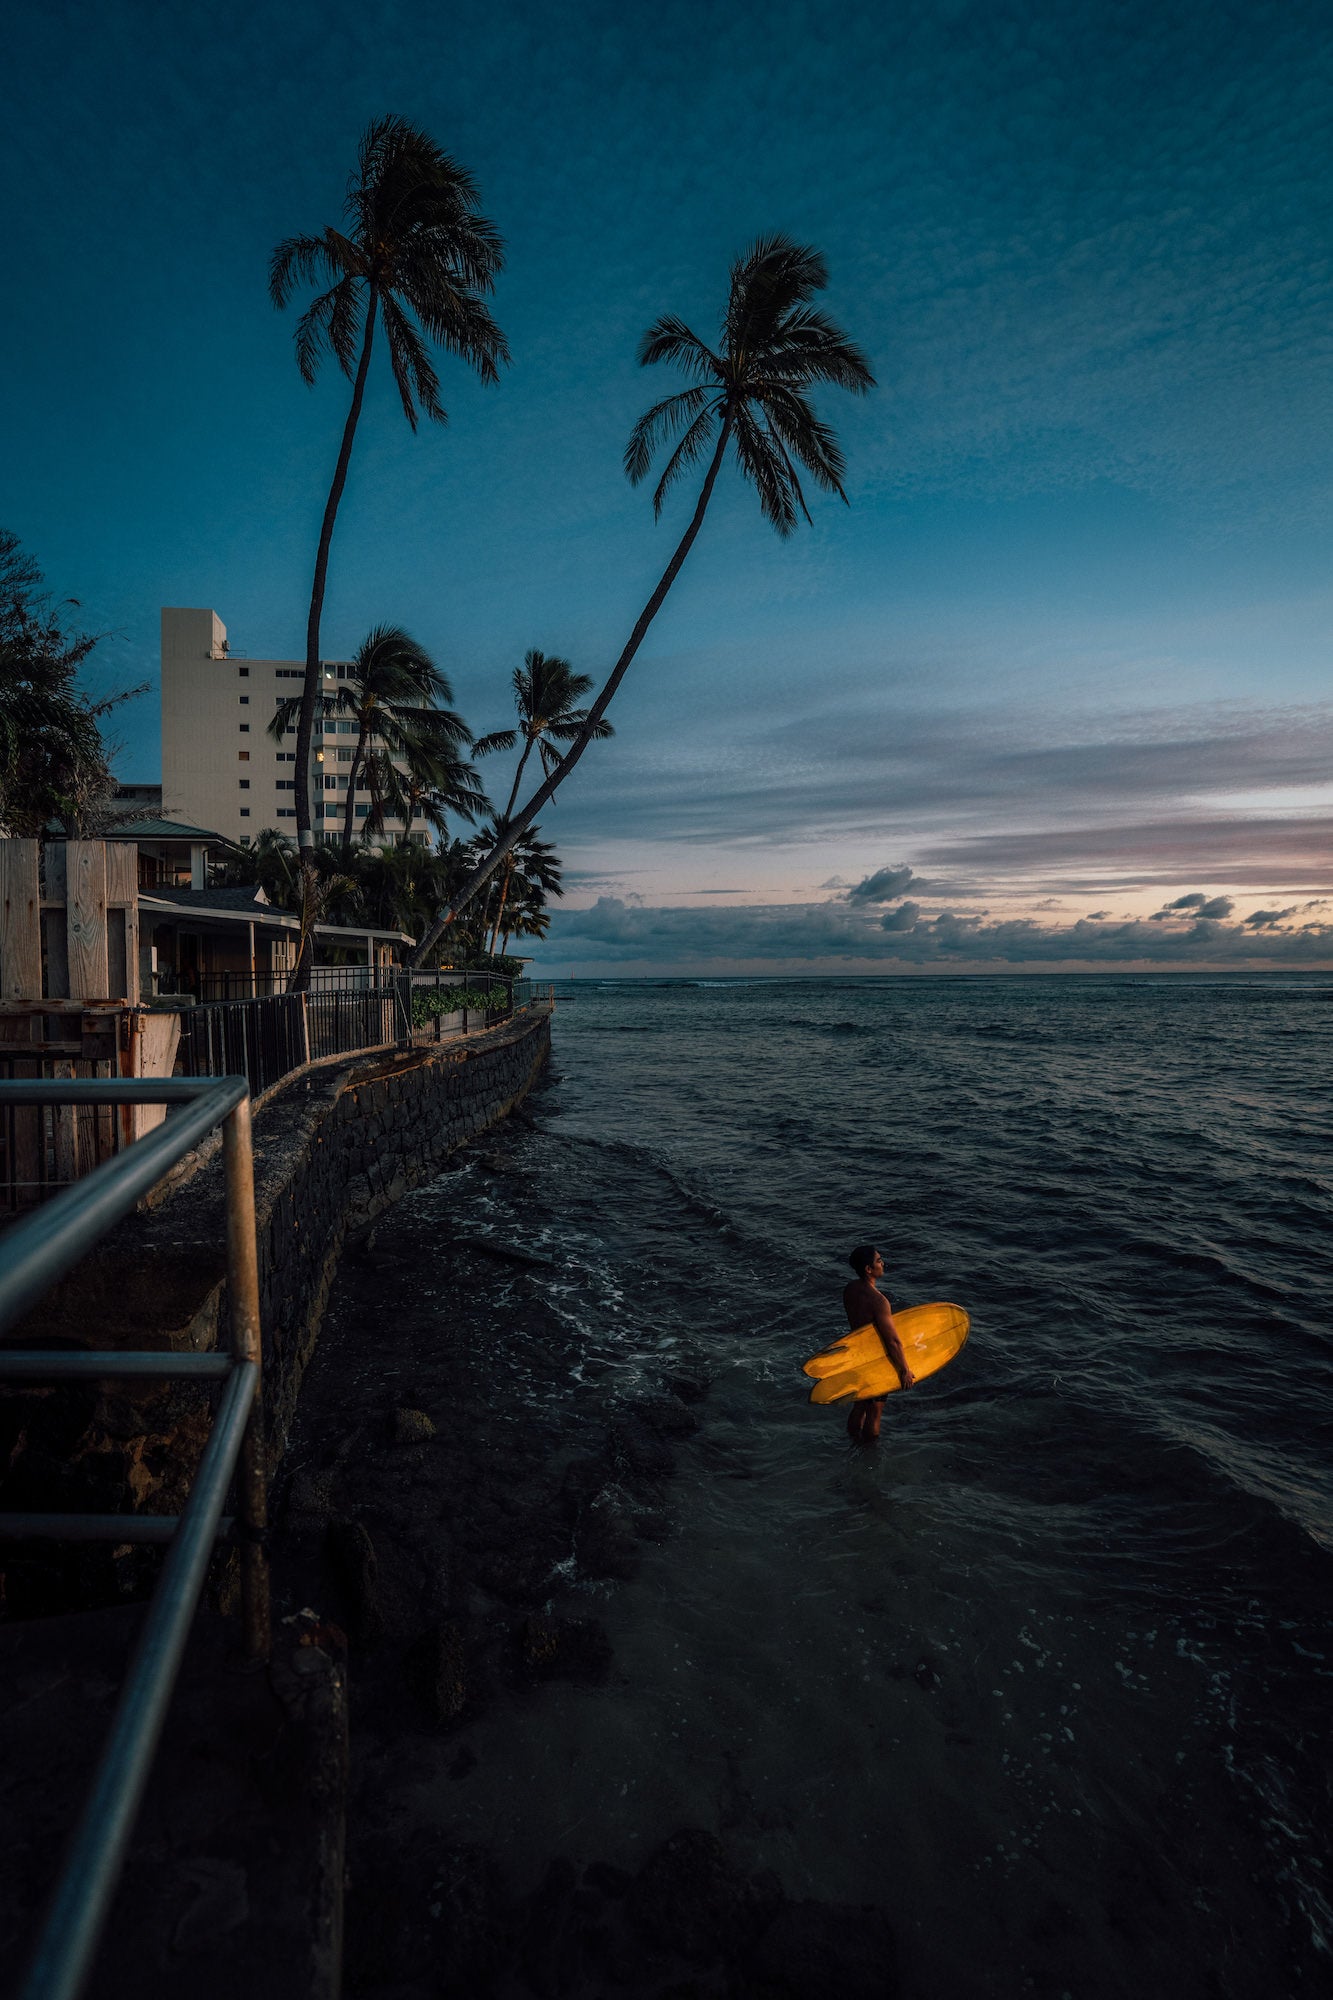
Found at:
[1065, 657]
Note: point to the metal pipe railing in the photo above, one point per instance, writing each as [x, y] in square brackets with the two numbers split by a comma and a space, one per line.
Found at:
[34, 1254]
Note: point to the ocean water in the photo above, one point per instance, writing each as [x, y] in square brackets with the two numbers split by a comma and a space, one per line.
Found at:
[1047, 1673]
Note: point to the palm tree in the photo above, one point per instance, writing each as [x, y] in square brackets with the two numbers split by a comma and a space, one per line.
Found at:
[417, 256]
[532, 872]
[750, 393]
[433, 782]
[545, 692]
[392, 695]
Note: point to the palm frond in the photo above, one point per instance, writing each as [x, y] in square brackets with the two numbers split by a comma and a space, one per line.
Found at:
[662, 421]
[669, 339]
[414, 378]
[765, 470]
[791, 419]
[299, 261]
[498, 739]
[691, 448]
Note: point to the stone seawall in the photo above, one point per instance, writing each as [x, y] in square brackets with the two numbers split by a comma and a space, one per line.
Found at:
[334, 1146]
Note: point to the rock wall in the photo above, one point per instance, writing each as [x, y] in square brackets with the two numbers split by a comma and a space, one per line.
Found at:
[334, 1146]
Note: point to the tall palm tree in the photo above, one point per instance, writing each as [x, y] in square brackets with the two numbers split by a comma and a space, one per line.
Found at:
[417, 256]
[750, 394]
[392, 695]
[546, 690]
[432, 783]
[532, 873]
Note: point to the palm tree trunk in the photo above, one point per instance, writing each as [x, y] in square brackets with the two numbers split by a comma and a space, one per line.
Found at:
[305, 728]
[349, 815]
[518, 776]
[545, 791]
[504, 898]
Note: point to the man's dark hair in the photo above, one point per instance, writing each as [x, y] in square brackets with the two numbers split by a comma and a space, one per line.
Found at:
[862, 1258]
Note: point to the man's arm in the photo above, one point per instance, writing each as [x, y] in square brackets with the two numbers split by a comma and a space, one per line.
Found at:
[893, 1346]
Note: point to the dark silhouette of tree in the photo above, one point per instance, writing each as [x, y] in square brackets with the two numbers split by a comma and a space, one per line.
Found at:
[54, 761]
[392, 695]
[751, 393]
[416, 256]
[546, 693]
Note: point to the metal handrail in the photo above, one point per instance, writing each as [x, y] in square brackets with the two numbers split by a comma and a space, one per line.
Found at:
[34, 1254]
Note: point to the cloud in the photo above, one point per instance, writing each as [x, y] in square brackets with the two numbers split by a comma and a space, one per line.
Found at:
[982, 792]
[829, 935]
[884, 886]
[1203, 906]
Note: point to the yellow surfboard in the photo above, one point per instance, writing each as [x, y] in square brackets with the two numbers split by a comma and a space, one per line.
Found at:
[857, 1365]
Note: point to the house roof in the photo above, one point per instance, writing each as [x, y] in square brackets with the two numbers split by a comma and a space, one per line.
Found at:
[243, 898]
[243, 906]
[161, 829]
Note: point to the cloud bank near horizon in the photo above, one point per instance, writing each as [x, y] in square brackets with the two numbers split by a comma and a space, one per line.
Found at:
[835, 934]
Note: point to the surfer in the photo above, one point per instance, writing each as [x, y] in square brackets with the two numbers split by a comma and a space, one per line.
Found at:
[866, 1305]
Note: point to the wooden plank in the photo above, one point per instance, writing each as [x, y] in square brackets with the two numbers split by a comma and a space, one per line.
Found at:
[55, 953]
[20, 921]
[85, 918]
[122, 901]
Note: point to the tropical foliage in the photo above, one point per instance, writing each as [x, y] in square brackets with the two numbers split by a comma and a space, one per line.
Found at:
[406, 754]
[546, 694]
[54, 761]
[396, 888]
[750, 394]
[414, 256]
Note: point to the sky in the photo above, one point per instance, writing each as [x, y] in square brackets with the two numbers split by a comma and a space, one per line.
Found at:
[1050, 693]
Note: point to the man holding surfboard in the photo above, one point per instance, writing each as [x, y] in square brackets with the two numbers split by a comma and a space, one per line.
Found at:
[866, 1305]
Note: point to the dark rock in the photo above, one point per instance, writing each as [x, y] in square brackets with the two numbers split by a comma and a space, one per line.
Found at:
[411, 1427]
[665, 1416]
[564, 1648]
[812, 1948]
[605, 1538]
[610, 1880]
[356, 1565]
[438, 1668]
[691, 1899]
[636, 1453]
[551, 1953]
[427, 1911]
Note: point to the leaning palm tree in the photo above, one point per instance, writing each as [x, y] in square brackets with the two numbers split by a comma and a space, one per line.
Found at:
[749, 394]
[546, 690]
[391, 698]
[417, 256]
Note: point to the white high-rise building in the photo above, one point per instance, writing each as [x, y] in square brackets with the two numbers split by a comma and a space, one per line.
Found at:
[220, 767]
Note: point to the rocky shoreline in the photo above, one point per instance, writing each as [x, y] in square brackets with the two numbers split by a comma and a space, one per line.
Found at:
[451, 1540]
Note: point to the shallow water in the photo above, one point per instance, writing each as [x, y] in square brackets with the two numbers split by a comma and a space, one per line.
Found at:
[1046, 1674]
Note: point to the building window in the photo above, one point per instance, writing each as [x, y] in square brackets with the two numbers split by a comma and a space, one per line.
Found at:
[244, 784]
[286, 812]
[244, 673]
[286, 784]
[245, 812]
[344, 756]
[363, 812]
[243, 756]
[244, 700]
[245, 729]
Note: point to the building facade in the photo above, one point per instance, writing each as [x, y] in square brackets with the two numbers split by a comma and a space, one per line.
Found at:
[220, 766]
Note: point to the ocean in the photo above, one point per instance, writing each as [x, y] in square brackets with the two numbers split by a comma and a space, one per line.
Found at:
[1045, 1675]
